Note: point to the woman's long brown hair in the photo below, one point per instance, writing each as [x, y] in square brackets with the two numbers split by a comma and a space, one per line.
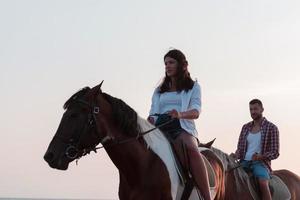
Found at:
[183, 79]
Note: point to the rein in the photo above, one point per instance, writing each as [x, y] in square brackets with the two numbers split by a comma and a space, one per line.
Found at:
[132, 139]
[250, 162]
[73, 152]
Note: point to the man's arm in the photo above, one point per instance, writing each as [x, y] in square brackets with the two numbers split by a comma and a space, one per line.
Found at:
[274, 144]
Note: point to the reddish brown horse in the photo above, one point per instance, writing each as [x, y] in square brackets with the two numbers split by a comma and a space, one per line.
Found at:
[146, 170]
[236, 187]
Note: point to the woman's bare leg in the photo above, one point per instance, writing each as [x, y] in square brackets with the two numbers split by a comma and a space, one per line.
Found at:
[195, 162]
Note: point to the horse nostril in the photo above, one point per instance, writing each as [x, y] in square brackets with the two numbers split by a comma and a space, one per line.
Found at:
[48, 157]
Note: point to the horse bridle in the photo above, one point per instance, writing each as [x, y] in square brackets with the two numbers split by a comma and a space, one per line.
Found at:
[73, 151]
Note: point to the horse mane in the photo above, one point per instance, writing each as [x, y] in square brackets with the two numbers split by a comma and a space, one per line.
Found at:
[229, 163]
[77, 95]
[123, 115]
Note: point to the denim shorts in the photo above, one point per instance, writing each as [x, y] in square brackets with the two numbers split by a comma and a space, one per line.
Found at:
[257, 168]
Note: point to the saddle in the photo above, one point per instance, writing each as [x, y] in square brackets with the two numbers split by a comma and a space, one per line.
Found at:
[278, 188]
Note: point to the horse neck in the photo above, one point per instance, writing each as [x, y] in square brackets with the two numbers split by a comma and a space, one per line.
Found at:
[130, 159]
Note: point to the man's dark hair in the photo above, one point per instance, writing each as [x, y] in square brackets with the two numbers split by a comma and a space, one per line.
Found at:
[254, 101]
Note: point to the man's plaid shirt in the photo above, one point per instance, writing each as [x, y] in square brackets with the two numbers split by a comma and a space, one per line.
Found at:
[269, 141]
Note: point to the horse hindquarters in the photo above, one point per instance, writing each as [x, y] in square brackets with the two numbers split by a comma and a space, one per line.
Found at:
[217, 165]
[292, 181]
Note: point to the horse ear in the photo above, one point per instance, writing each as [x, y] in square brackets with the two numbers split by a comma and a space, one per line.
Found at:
[101, 84]
[211, 143]
[207, 145]
[97, 89]
[100, 91]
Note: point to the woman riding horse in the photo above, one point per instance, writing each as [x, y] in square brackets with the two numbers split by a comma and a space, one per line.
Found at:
[179, 97]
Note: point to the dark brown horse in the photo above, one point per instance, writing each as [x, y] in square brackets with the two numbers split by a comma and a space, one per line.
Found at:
[145, 161]
[146, 167]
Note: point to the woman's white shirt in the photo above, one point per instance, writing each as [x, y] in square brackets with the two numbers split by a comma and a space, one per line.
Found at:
[189, 100]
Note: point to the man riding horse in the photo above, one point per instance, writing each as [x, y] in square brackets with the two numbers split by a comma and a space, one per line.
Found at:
[258, 145]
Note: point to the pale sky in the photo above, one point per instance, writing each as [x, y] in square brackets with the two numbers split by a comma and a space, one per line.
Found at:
[237, 49]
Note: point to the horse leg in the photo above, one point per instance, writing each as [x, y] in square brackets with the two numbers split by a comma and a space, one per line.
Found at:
[166, 197]
[139, 194]
[127, 193]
